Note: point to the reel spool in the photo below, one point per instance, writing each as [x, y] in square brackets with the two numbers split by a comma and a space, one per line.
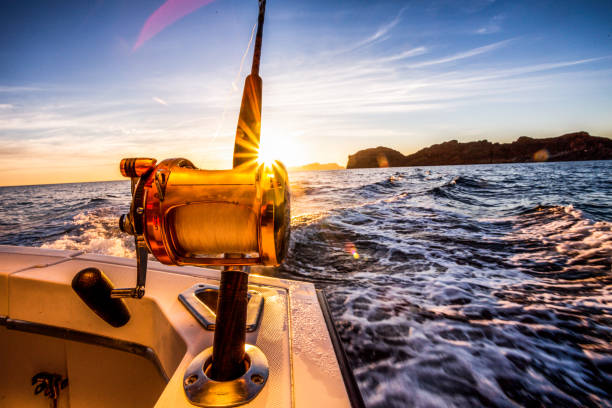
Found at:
[189, 216]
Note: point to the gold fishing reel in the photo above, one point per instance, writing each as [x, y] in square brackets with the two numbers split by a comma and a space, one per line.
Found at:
[189, 216]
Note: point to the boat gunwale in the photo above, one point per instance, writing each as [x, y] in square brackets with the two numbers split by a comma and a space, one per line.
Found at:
[350, 383]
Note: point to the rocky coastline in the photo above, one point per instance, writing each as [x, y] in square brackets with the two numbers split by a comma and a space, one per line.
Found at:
[569, 147]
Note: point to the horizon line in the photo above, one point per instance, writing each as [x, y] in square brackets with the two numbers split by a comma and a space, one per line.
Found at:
[307, 164]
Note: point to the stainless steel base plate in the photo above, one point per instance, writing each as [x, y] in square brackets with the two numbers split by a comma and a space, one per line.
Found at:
[205, 392]
[205, 314]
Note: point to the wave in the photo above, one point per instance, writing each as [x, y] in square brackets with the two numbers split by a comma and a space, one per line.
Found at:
[561, 241]
[469, 182]
[382, 187]
[95, 232]
[458, 197]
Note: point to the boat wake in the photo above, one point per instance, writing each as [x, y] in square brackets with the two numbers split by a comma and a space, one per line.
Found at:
[467, 291]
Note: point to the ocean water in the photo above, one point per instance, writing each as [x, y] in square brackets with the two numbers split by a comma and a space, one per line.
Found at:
[486, 285]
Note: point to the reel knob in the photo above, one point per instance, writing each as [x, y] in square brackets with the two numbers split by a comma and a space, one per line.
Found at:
[125, 224]
[136, 166]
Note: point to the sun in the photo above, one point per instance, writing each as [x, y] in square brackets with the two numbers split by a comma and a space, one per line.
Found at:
[268, 152]
[276, 145]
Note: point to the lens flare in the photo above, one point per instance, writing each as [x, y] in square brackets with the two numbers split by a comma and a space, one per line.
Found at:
[541, 155]
[350, 248]
[382, 161]
[165, 15]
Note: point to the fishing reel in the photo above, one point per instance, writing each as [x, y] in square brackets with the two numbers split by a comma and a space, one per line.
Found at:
[188, 216]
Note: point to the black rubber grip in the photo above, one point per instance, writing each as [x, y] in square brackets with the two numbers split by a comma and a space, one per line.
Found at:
[94, 288]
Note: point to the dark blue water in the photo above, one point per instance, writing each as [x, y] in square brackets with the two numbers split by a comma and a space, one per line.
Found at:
[450, 286]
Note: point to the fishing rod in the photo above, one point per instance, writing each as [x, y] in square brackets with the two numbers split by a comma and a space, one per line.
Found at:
[248, 132]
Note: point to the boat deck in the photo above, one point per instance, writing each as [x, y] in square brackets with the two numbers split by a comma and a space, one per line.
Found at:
[44, 326]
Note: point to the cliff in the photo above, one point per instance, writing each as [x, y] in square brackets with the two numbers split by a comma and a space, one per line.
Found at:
[569, 147]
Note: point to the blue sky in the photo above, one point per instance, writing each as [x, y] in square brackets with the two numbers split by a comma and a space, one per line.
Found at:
[339, 76]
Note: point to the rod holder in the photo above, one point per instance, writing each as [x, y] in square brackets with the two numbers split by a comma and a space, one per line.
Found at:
[228, 359]
[203, 391]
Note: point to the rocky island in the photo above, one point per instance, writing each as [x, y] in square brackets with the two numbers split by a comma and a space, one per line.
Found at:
[317, 167]
[569, 147]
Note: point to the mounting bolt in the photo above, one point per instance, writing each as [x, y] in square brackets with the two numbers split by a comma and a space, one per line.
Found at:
[257, 379]
[191, 379]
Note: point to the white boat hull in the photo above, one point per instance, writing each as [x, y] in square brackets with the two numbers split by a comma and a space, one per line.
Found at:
[45, 326]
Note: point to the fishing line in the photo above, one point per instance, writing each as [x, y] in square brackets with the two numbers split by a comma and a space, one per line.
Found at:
[229, 96]
[244, 57]
[229, 228]
[234, 87]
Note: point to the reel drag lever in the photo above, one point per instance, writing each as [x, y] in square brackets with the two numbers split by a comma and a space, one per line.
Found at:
[141, 273]
[139, 170]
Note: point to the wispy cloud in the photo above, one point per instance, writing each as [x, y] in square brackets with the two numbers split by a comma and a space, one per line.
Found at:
[555, 65]
[380, 34]
[413, 52]
[336, 91]
[493, 26]
[488, 30]
[160, 101]
[384, 29]
[18, 89]
[6, 106]
[463, 55]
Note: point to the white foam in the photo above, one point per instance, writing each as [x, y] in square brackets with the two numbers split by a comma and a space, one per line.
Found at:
[97, 232]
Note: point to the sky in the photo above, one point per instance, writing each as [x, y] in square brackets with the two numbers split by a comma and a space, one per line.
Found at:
[86, 83]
